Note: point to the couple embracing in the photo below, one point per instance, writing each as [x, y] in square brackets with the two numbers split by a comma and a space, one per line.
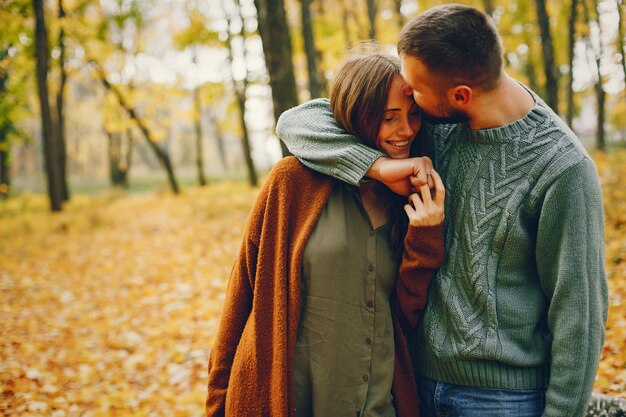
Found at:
[365, 287]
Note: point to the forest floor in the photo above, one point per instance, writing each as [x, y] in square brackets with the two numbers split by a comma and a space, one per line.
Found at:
[110, 307]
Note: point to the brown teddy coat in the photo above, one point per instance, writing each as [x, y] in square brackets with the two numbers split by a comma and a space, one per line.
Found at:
[251, 362]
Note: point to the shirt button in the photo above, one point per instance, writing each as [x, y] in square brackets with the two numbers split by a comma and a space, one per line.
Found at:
[371, 233]
[370, 304]
[370, 268]
[368, 340]
[366, 378]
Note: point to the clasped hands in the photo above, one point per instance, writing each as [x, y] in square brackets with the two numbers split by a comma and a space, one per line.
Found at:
[415, 178]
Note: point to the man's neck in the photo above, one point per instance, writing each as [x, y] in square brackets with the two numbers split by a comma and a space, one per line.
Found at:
[505, 104]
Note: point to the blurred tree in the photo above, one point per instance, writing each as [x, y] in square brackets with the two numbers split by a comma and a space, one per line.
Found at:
[119, 43]
[120, 142]
[399, 15]
[60, 97]
[345, 20]
[51, 146]
[197, 125]
[240, 86]
[488, 7]
[620, 38]
[16, 79]
[547, 49]
[219, 139]
[193, 38]
[595, 49]
[161, 155]
[571, 43]
[276, 40]
[372, 10]
[5, 127]
[312, 54]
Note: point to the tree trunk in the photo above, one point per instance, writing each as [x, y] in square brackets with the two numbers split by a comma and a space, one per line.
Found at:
[198, 131]
[162, 156]
[5, 177]
[241, 88]
[315, 80]
[372, 10]
[219, 139]
[598, 87]
[570, 57]
[547, 49]
[5, 127]
[60, 98]
[601, 101]
[345, 18]
[620, 37]
[50, 144]
[276, 41]
[114, 157]
[128, 158]
[488, 6]
[247, 150]
[401, 20]
[530, 69]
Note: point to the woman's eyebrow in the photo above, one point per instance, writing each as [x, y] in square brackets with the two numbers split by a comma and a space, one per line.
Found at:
[394, 109]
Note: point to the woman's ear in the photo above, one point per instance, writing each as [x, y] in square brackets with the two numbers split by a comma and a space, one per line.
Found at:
[460, 96]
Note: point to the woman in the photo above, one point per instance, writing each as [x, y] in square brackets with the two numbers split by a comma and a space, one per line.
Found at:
[308, 327]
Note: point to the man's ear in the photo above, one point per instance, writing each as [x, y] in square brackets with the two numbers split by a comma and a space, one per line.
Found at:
[460, 96]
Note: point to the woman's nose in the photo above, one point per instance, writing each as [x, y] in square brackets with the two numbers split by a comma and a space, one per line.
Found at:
[407, 129]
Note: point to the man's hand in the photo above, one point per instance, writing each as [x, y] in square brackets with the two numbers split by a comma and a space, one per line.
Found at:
[402, 176]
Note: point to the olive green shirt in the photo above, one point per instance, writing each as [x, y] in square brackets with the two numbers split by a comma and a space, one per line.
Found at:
[344, 354]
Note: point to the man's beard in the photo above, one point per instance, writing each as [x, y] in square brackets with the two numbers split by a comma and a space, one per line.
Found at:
[452, 117]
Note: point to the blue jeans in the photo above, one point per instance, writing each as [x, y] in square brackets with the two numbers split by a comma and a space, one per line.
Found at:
[439, 399]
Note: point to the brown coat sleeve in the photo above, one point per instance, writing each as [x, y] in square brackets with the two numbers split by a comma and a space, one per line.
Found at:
[237, 307]
[423, 253]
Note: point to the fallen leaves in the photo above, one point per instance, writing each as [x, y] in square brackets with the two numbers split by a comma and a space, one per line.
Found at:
[109, 308]
[611, 376]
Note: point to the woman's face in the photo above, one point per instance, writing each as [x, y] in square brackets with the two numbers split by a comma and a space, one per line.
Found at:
[400, 123]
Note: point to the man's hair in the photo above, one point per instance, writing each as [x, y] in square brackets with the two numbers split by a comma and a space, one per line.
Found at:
[457, 43]
[359, 93]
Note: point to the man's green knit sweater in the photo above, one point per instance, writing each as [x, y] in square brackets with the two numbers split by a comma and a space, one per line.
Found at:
[521, 300]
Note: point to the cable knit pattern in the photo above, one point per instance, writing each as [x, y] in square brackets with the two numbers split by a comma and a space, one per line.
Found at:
[521, 300]
[492, 175]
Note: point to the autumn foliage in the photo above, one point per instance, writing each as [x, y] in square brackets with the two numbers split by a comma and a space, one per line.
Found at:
[109, 308]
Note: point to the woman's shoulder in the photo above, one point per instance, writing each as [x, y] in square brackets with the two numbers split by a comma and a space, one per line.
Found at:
[290, 172]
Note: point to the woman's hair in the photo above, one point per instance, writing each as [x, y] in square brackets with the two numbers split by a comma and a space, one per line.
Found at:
[359, 92]
[458, 43]
[358, 100]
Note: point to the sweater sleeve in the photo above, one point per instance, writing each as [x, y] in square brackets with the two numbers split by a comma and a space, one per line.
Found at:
[237, 307]
[311, 133]
[570, 262]
[423, 253]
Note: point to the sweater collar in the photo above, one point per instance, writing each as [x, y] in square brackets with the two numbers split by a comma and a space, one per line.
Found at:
[512, 131]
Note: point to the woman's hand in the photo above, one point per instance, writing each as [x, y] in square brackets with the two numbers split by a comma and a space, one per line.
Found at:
[426, 209]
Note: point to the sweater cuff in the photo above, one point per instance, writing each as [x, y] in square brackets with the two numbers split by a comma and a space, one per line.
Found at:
[355, 163]
[416, 234]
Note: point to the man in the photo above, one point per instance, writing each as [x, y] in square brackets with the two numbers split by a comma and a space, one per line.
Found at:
[514, 324]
